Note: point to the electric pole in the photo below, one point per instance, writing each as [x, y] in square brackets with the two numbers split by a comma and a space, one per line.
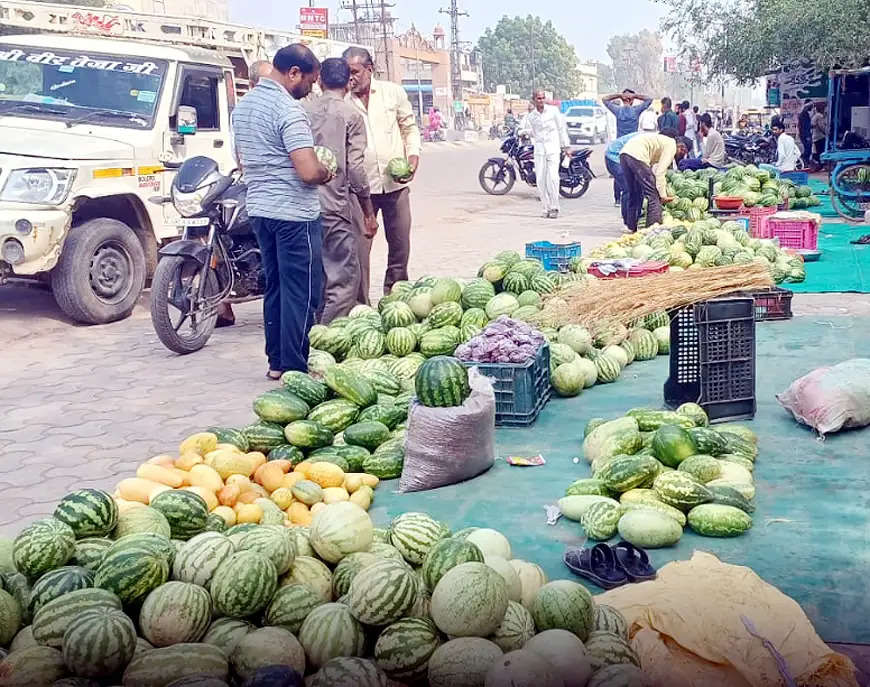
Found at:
[455, 48]
[373, 26]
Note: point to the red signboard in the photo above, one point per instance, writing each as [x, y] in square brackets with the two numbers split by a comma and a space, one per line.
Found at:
[314, 17]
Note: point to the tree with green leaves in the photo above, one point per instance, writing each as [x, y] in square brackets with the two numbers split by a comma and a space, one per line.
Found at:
[527, 53]
[745, 39]
[637, 62]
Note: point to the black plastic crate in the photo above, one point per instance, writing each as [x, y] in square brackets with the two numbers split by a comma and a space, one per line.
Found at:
[713, 358]
[771, 304]
[521, 390]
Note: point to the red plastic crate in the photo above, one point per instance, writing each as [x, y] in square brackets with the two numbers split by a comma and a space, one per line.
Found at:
[757, 219]
[793, 233]
[641, 270]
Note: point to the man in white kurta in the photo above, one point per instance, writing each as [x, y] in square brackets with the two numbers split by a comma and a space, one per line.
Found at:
[549, 134]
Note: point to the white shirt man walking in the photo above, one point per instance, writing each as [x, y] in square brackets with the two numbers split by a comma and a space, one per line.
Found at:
[550, 136]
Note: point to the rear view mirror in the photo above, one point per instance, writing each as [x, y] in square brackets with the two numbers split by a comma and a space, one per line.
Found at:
[186, 119]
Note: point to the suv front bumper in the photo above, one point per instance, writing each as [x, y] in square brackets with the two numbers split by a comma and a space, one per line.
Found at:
[42, 243]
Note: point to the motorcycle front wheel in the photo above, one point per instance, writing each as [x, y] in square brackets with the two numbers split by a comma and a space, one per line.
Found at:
[182, 311]
[496, 179]
[577, 190]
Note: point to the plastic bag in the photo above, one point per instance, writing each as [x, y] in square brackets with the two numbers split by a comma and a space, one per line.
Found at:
[448, 445]
[831, 398]
[687, 628]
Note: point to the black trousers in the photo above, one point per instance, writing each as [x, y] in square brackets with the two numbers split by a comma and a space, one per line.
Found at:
[640, 183]
[293, 267]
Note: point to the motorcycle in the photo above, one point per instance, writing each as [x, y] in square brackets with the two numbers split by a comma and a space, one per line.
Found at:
[217, 258]
[751, 149]
[434, 135]
[499, 174]
[498, 131]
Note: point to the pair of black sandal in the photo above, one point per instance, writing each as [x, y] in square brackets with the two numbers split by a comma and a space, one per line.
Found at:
[610, 567]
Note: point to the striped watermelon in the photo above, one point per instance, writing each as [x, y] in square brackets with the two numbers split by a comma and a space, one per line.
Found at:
[156, 543]
[264, 436]
[89, 552]
[383, 550]
[619, 675]
[132, 573]
[441, 341]
[370, 344]
[99, 643]
[10, 617]
[607, 367]
[226, 633]
[229, 435]
[646, 346]
[446, 290]
[350, 672]
[36, 665]
[656, 320]
[515, 629]
[348, 568]
[340, 529]
[175, 612]
[185, 511]
[413, 534]
[243, 584]
[312, 573]
[266, 646]
[515, 282]
[397, 314]
[141, 519]
[442, 381]
[58, 582]
[607, 649]
[273, 541]
[564, 605]
[279, 406]
[330, 630]
[444, 314]
[609, 619]
[446, 554]
[462, 662]
[89, 512]
[403, 649]
[382, 593]
[305, 387]
[236, 532]
[162, 666]
[542, 283]
[477, 293]
[290, 605]
[43, 545]
[401, 341]
[469, 600]
[681, 490]
[51, 621]
[383, 380]
[335, 414]
[200, 556]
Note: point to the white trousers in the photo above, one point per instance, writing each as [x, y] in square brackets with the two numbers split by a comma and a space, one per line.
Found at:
[547, 175]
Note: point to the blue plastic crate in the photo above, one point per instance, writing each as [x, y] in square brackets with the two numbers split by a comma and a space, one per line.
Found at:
[521, 390]
[798, 178]
[554, 256]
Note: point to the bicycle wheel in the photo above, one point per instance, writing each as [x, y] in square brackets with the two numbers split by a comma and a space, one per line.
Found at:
[850, 191]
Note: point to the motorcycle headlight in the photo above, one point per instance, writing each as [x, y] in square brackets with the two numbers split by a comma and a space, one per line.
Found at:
[189, 204]
[39, 185]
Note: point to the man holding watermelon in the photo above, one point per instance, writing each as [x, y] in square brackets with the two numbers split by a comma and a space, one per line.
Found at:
[392, 158]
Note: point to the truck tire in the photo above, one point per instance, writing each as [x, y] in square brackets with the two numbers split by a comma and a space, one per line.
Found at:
[101, 272]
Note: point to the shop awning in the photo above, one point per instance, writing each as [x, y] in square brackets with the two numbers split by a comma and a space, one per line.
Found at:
[414, 88]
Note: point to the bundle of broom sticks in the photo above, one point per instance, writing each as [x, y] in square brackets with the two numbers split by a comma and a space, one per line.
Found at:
[600, 303]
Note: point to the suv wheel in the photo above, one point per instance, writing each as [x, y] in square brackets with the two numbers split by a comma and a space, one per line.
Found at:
[101, 272]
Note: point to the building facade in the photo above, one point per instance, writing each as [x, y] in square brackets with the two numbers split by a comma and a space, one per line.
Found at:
[217, 10]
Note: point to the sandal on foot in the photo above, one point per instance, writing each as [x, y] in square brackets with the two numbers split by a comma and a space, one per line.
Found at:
[274, 375]
[598, 565]
[633, 561]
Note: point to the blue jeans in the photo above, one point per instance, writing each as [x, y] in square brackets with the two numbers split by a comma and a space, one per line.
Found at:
[293, 267]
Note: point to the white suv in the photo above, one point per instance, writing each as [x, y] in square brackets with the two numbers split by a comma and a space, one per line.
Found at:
[587, 123]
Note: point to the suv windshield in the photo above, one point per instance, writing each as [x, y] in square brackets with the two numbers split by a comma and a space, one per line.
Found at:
[579, 112]
[98, 88]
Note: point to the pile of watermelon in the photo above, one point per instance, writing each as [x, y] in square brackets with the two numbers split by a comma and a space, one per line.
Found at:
[90, 596]
[702, 244]
[656, 471]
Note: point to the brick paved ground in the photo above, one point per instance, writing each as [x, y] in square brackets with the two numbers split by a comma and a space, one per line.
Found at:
[82, 406]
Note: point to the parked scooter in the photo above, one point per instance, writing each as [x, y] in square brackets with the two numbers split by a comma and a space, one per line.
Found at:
[499, 174]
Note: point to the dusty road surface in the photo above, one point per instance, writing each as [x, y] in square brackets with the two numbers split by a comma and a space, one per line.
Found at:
[82, 406]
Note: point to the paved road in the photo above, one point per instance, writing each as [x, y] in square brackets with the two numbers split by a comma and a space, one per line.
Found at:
[84, 405]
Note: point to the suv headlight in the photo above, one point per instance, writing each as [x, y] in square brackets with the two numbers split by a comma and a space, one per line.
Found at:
[38, 185]
[188, 204]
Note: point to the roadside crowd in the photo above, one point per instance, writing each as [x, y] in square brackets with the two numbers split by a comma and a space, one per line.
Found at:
[314, 224]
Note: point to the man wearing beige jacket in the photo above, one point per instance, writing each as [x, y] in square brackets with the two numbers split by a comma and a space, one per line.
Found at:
[392, 133]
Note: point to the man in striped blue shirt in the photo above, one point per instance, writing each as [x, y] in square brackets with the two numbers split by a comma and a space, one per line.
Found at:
[275, 147]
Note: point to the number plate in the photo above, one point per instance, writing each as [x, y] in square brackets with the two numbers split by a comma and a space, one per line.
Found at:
[192, 221]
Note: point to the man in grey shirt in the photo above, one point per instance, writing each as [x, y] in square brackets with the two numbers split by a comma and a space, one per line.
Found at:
[338, 125]
[276, 150]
